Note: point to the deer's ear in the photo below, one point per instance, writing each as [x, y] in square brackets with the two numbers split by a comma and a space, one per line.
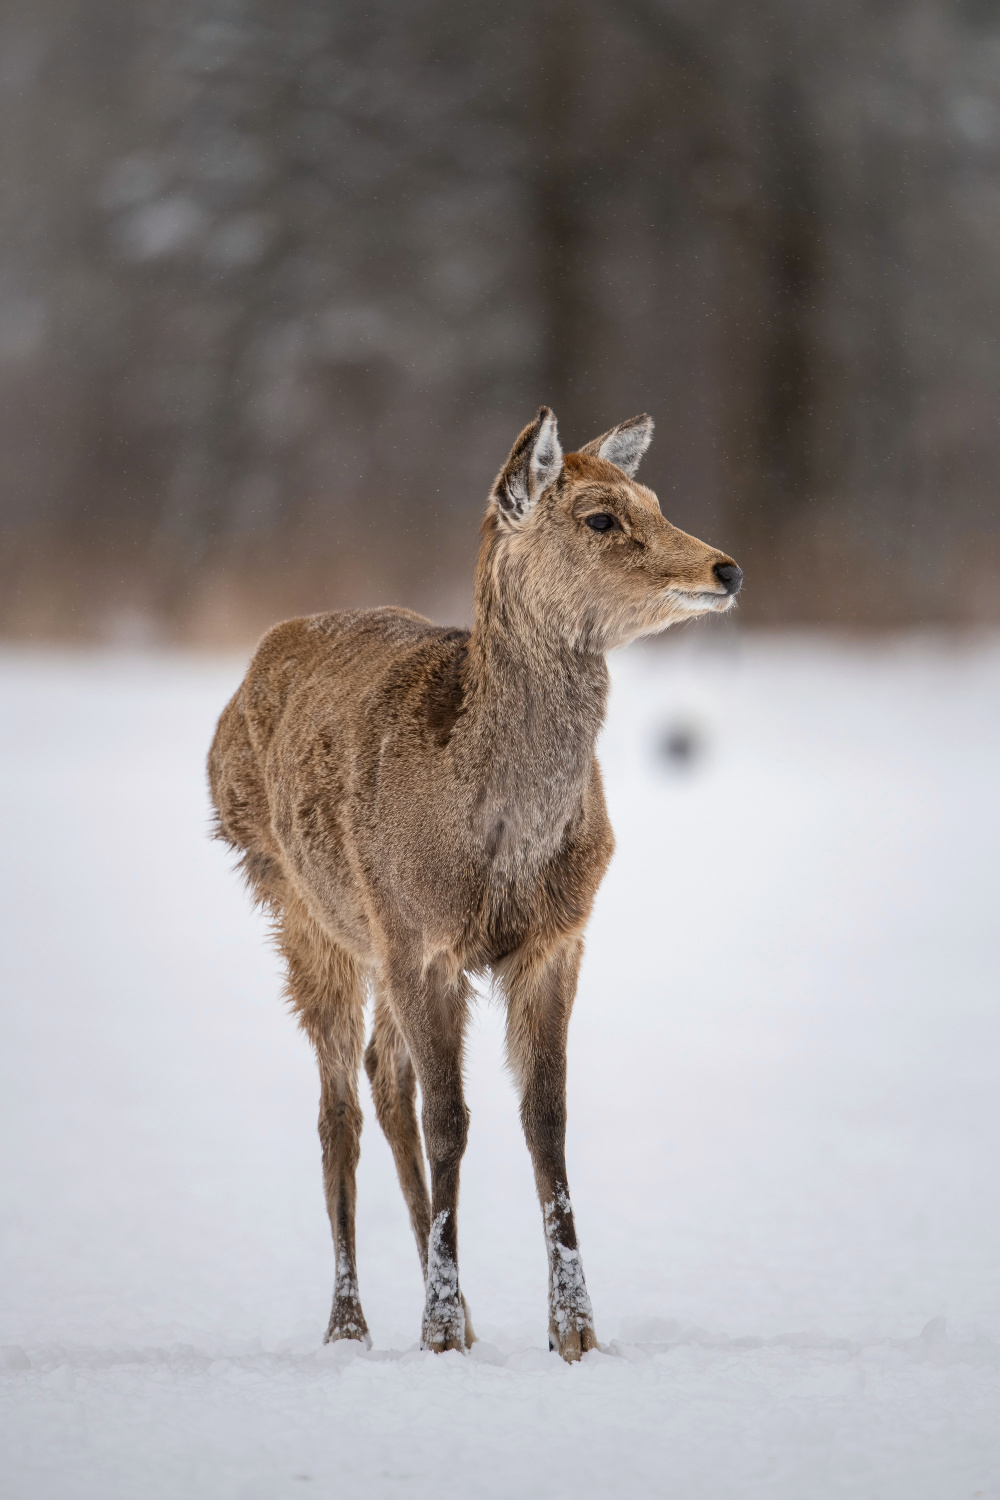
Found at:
[535, 462]
[624, 445]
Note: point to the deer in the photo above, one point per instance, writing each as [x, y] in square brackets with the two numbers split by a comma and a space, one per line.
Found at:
[419, 807]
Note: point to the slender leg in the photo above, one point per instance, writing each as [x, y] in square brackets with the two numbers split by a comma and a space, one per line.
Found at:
[327, 990]
[429, 1009]
[540, 995]
[394, 1090]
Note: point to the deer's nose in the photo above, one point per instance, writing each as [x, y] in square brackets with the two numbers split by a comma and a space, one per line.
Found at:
[730, 576]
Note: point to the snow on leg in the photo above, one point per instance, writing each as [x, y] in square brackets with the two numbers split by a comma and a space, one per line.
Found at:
[571, 1317]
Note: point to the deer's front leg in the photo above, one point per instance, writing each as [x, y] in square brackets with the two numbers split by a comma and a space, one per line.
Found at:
[540, 996]
[430, 1012]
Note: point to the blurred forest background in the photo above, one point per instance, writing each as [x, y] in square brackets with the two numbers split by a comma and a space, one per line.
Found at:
[280, 282]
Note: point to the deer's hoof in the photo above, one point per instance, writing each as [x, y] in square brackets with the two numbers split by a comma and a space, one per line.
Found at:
[445, 1328]
[441, 1345]
[573, 1343]
[347, 1321]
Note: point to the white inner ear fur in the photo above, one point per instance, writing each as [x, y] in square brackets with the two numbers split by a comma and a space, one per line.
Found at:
[546, 458]
[624, 446]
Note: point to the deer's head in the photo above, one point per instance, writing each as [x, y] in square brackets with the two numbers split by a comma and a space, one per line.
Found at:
[574, 540]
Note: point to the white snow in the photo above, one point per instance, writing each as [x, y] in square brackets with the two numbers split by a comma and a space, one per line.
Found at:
[445, 1315]
[784, 1117]
[570, 1308]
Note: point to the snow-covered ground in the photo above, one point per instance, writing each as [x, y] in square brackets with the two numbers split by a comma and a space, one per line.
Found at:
[784, 1117]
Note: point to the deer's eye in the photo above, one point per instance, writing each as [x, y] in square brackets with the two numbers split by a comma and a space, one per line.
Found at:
[601, 522]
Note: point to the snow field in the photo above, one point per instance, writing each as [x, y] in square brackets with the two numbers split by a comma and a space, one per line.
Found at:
[784, 1116]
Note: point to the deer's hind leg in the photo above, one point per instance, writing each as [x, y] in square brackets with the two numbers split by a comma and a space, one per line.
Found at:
[327, 989]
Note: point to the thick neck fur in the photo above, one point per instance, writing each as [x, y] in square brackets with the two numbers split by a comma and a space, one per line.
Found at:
[533, 707]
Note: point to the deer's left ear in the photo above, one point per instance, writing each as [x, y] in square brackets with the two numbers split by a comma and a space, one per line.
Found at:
[624, 445]
[534, 463]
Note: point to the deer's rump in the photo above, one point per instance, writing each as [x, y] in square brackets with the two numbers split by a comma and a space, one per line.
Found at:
[294, 762]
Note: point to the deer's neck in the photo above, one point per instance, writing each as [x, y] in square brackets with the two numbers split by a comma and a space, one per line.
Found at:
[533, 708]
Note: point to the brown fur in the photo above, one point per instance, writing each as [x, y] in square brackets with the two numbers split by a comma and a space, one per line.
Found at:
[417, 805]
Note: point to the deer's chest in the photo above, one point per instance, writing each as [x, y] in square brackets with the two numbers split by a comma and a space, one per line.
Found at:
[539, 891]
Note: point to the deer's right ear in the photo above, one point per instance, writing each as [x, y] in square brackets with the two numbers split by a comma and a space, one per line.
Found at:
[535, 462]
[624, 445]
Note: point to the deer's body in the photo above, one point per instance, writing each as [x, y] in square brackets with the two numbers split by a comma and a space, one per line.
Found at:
[418, 805]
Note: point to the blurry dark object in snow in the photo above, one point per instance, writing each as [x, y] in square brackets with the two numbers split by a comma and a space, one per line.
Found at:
[680, 745]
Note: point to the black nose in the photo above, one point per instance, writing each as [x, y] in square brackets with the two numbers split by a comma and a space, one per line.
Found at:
[730, 575]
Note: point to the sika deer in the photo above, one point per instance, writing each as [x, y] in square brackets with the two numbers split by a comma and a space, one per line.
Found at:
[417, 805]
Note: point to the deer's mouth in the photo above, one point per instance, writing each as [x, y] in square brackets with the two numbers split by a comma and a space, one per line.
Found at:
[697, 601]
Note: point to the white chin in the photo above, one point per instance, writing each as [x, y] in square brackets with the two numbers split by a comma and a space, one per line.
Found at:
[700, 602]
